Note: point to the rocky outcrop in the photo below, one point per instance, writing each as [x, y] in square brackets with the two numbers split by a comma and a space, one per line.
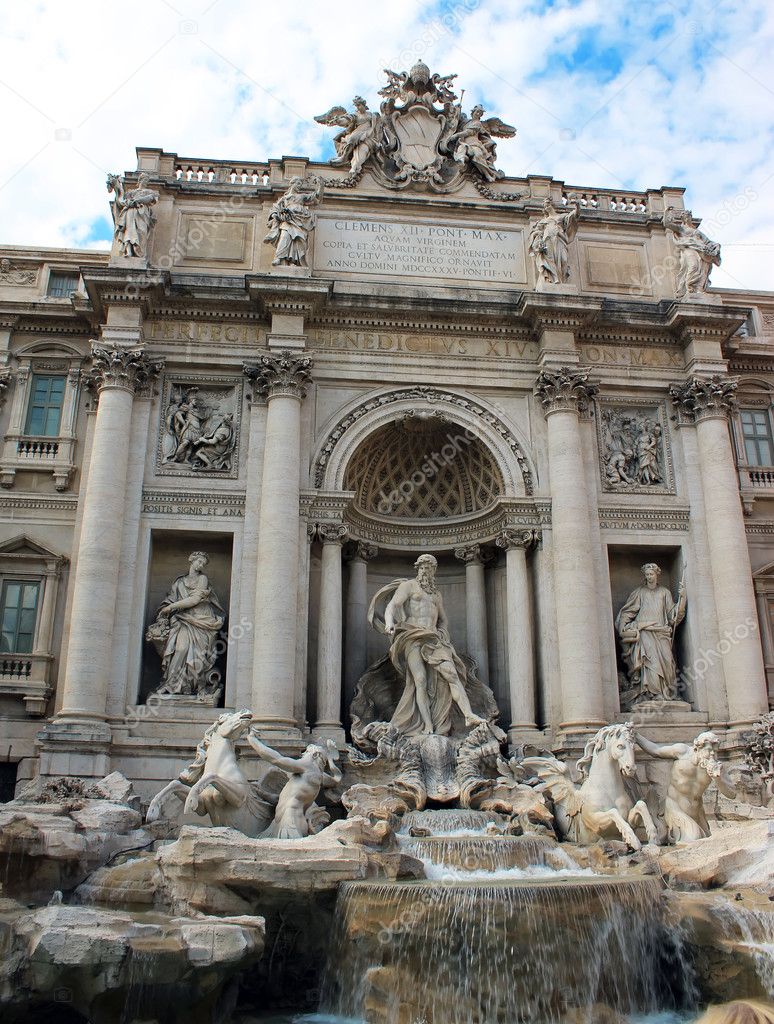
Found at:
[56, 834]
[739, 853]
[113, 966]
[222, 871]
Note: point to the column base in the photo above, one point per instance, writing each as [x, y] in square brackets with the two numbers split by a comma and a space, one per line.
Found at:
[329, 731]
[572, 737]
[521, 734]
[74, 746]
[280, 733]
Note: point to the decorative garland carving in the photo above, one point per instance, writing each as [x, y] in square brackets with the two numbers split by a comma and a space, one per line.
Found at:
[489, 193]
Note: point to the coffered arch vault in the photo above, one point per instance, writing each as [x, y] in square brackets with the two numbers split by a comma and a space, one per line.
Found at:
[503, 465]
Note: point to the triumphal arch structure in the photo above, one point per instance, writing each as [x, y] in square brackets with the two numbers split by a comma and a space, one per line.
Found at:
[288, 379]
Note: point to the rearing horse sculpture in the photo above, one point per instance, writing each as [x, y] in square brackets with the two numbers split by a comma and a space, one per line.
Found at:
[600, 808]
[214, 783]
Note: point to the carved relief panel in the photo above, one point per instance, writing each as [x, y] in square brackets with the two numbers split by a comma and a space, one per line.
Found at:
[635, 454]
[199, 428]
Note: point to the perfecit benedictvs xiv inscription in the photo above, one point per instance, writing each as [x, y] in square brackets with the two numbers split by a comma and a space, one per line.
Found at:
[419, 250]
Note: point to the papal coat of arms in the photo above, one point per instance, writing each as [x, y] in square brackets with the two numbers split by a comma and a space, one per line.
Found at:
[420, 135]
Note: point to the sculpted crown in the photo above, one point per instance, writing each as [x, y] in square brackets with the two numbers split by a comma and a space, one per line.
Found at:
[704, 397]
[281, 374]
[127, 368]
[564, 389]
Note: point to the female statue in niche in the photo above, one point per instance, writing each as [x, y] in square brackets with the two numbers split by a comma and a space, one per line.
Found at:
[185, 634]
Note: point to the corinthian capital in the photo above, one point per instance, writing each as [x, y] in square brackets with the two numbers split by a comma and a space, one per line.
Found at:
[281, 374]
[126, 368]
[564, 389]
[514, 538]
[332, 533]
[470, 554]
[702, 398]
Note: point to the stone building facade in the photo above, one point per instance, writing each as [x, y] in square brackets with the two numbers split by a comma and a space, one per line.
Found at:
[528, 379]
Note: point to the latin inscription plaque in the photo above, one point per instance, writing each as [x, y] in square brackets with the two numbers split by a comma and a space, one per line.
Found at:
[346, 245]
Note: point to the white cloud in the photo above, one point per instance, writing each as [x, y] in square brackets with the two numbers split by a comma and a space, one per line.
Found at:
[670, 92]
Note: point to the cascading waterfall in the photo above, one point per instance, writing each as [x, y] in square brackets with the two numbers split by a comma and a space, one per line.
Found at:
[753, 929]
[502, 952]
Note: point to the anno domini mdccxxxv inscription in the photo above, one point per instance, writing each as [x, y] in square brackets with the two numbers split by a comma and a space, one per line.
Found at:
[419, 249]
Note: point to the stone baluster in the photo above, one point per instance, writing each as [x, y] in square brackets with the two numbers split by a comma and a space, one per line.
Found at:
[117, 374]
[708, 401]
[284, 378]
[329, 638]
[564, 394]
[475, 607]
[521, 655]
[356, 626]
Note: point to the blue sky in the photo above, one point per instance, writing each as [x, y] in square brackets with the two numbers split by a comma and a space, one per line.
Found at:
[621, 94]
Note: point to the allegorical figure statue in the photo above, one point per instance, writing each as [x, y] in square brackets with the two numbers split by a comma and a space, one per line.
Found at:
[697, 253]
[473, 143]
[132, 214]
[695, 766]
[296, 814]
[549, 242]
[422, 654]
[185, 631]
[646, 625]
[361, 135]
[291, 219]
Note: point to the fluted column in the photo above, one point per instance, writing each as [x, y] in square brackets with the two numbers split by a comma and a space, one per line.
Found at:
[521, 655]
[329, 634]
[116, 375]
[564, 394]
[283, 378]
[708, 402]
[356, 626]
[475, 607]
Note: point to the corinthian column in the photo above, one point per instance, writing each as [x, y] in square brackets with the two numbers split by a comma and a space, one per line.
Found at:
[565, 393]
[521, 656]
[283, 378]
[329, 639]
[708, 402]
[355, 628]
[475, 607]
[116, 376]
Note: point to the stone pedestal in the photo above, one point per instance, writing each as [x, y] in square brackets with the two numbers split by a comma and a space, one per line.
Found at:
[475, 607]
[283, 378]
[329, 640]
[564, 394]
[708, 401]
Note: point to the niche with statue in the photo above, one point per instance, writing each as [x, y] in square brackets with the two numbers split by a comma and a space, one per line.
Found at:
[186, 619]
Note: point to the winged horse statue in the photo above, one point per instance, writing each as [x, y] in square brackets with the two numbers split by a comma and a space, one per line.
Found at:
[215, 784]
[600, 807]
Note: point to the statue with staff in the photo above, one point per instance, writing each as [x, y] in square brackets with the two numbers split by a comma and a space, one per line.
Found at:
[646, 626]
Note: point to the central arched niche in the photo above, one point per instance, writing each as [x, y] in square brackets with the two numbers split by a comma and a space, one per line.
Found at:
[422, 465]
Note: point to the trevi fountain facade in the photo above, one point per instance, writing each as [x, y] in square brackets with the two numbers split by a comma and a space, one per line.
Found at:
[387, 564]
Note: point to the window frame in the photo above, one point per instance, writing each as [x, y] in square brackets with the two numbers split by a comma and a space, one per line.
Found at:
[47, 406]
[22, 580]
[55, 273]
[756, 439]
